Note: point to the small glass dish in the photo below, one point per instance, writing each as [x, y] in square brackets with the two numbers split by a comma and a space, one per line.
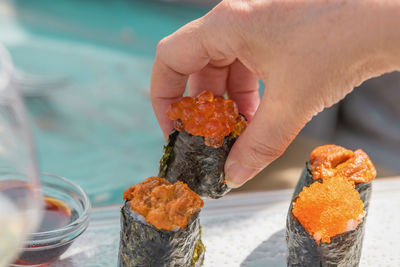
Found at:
[65, 217]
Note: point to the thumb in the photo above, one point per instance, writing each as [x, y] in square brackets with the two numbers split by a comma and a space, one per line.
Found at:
[274, 126]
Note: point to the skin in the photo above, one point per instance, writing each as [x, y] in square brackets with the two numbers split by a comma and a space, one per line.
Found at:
[309, 53]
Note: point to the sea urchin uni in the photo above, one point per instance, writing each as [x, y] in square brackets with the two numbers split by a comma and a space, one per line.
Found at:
[332, 160]
[210, 117]
[160, 225]
[164, 205]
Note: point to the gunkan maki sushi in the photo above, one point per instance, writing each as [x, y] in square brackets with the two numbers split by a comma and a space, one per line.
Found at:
[325, 225]
[326, 219]
[206, 127]
[160, 225]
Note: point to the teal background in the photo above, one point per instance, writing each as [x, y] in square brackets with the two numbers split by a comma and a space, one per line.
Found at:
[97, 126]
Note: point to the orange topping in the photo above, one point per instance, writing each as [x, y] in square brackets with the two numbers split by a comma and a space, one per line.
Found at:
[212, 118]
[219, 103]
[240, 127]
[174, 111]
[332, 160]
[231, 107]
[329, 208]
[206, 96]
[164, 205]
[186, 102]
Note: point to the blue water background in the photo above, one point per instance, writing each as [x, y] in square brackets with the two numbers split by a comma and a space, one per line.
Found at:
[98, 128]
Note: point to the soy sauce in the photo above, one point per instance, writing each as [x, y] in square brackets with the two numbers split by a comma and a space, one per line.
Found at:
[56, 215]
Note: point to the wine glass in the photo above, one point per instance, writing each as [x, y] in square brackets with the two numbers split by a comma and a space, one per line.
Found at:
[20, 197]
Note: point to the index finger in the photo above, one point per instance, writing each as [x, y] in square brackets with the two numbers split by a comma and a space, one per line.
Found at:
[178, 55]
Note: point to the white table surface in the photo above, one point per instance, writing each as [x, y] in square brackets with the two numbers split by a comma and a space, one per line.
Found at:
[247, 229]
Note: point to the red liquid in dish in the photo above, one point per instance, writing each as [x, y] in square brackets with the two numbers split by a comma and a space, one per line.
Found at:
[56, 215]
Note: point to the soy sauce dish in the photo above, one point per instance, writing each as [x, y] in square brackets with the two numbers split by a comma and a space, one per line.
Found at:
[65, 217]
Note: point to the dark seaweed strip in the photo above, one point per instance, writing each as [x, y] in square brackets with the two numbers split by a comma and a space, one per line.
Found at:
[144, 245]
[343, 250]
[365, 190]
[306, 179]
[201, 167]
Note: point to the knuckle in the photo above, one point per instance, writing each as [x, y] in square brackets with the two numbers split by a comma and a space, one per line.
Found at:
[183, 35]
[161, 44]
[235, 11]
[238, 6]
[192, 27]
[228, 13]
[237, 16]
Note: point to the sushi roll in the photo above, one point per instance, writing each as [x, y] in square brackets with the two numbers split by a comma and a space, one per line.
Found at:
[160, 225]
[333, 160]
[325, 224]
[206, 127]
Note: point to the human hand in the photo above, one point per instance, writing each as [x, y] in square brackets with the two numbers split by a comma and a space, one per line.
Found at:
[309, 53]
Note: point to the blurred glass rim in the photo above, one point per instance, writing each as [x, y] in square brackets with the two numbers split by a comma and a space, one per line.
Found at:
[11, 97]
[6, 67]
[70, 231]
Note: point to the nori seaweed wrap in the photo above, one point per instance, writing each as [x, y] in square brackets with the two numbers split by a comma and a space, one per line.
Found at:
[153, 240]
[343, 249]
[201, 167]
[205, 130]
[142, 244]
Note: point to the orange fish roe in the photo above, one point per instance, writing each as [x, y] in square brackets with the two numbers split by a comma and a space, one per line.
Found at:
[207, 116]
[164, 205]
[332, 160]
[329, 208]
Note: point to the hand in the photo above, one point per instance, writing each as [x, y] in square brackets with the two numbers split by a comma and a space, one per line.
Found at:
[309, 53]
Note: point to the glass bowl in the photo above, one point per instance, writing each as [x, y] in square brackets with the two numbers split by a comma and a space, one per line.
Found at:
[20, 198]
[51, 240]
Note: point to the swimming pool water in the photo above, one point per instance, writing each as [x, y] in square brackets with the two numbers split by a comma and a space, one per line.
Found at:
[98, 127]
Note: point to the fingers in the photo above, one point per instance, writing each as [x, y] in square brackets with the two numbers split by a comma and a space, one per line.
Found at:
[243, 89]
[240, 83]
[211, 78]
[167, 86]
[267, 136]
[177, 56]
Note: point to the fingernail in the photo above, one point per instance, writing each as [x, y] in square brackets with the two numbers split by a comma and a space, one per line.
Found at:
[238, 174]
